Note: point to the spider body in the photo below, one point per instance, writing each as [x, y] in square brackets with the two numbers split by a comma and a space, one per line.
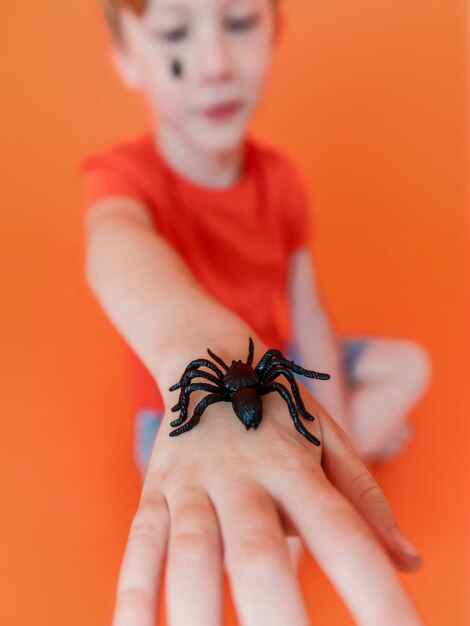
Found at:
[243, 386]
[247, 406]
[240, 375]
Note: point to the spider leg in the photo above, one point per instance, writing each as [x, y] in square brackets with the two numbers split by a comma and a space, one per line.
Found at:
[287, 397]
[295, 390]
[188, 377]
[221, 362]
[217, 359]
[249, 360]
[295, 368]
[195, 365]
[184, 397]
[198, 411]
[184, 403]
[267, 355]
[195, 374]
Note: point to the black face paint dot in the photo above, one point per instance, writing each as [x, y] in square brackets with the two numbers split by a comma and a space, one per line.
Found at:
[176, 67]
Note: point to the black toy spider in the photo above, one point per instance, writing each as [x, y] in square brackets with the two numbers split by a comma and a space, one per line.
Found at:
[243, 386]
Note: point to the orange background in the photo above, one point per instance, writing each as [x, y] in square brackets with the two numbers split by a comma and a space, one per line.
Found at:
[369, 98]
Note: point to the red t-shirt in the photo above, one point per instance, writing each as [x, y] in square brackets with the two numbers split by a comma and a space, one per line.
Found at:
[237, 240]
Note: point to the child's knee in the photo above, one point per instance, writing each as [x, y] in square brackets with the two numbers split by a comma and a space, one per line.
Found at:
[401, 360]
[416, 365]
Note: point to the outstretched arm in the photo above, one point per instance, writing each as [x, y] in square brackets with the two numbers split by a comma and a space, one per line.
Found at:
[150, 295]
[217, 494]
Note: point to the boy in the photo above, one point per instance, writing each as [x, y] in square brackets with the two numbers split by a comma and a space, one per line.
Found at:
[196, 234]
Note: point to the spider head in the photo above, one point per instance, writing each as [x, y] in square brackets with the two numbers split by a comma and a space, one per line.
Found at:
[240, 375]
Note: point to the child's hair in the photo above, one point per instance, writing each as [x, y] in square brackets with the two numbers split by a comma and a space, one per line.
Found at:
[111, 10]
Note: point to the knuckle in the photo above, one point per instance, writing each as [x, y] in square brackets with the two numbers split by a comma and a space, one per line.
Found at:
[154, 487]
[257, 547]
[143, 531]
[297, 462]
[341, 526]
[155, 476]
[372, 495]
[151, 506]
[145, 525]
[346, 525]
[366, 491]
[128, 597]
[190, 544]
[194, 529]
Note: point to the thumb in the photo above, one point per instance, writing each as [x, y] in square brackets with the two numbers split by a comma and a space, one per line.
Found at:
[350, 476]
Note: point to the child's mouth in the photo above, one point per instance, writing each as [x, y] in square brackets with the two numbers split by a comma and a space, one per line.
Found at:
[222, 112]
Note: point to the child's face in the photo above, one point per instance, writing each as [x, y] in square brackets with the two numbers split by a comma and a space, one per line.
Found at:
[223, 49]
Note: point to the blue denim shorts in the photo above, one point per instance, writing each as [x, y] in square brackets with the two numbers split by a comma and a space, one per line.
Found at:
[148, 420]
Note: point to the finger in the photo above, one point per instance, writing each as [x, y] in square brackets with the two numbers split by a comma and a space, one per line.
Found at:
[348, 473]
[142, 566]
[347, 551]
[262, 579]
[194, 580]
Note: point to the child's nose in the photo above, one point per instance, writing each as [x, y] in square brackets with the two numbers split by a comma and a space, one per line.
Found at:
[214, 58]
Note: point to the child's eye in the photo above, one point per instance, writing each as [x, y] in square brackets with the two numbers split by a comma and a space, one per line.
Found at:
[243, 23]
[234, 25]
[175, 35]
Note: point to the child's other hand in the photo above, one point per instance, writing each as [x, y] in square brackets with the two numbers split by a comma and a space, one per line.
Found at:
[220, 495]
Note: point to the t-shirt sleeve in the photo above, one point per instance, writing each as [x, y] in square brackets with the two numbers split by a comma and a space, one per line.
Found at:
[107, 174]
[297, 212]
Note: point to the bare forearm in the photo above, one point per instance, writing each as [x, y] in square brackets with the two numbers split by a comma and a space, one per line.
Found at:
[153, 300]
[318, 350]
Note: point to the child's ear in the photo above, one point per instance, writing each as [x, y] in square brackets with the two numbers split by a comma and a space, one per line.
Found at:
[124, 66]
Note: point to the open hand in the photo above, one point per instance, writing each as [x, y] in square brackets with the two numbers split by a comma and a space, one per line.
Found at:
[219, 496]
